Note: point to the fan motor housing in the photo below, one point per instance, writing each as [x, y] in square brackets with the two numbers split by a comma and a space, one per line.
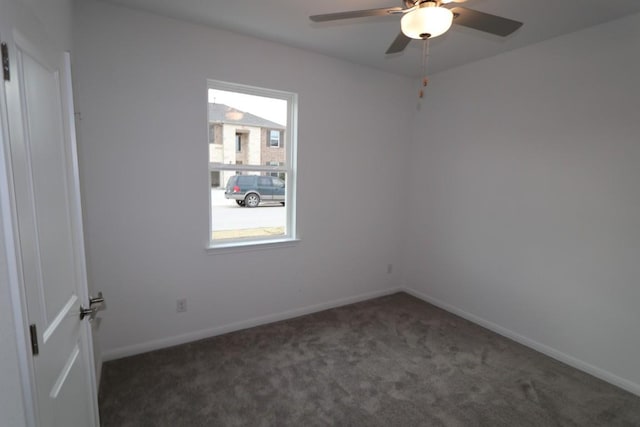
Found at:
[410, 3]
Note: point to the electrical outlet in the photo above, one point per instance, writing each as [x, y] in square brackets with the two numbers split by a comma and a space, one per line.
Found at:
[389, 268]
[181, 305]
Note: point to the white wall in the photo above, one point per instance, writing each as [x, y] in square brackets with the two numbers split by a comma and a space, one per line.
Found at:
[525, 207]
[142, 95]
[523, 210]
[55, 18]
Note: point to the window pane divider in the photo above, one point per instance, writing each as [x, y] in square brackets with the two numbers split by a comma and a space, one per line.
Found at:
[247, 168]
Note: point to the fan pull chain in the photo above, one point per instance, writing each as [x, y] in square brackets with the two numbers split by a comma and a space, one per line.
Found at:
[425, 66]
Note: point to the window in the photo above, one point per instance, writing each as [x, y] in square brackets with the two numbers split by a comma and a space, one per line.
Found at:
[273, 164]
[264, 182]
[276, 174]
[274, 138]
[212, 133]
[255, 200]
[215, 178]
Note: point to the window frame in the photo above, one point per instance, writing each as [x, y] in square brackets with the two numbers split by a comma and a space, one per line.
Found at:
[289, 168]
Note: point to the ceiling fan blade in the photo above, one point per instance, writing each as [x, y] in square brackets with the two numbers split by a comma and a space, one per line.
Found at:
[356, 14]
[484, 21]
[398, 44]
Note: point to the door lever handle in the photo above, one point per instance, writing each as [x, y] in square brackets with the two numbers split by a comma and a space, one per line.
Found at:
[95, 304]
[90, 312]
[97, 300]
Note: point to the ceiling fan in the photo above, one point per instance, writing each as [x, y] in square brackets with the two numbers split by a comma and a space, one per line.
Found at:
[424, 19]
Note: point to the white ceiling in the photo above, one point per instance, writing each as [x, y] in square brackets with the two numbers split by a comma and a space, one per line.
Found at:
[365, 40]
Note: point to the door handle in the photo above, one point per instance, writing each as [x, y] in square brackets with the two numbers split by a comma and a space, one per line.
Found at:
[90, 312]
[95, 304]
[97, 300]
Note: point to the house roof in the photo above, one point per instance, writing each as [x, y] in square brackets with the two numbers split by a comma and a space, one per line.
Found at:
[221, 113]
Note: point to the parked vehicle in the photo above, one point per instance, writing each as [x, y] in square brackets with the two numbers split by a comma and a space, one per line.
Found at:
[250, 190]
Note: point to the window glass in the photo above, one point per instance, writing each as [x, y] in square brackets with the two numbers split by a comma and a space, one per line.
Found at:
[274, 138]
[212, 133]
[252, 165]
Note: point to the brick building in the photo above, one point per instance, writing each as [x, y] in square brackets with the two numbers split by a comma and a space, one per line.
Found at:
[237, 137]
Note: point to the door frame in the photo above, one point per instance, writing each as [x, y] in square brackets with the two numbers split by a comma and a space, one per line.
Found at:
[11, 253]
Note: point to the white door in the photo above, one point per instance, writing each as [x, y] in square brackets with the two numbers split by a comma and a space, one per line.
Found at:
[48, 228]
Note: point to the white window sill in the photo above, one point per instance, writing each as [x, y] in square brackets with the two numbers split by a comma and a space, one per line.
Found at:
[251, 245]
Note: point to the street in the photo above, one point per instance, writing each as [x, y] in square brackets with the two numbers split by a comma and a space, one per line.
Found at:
[227, 215]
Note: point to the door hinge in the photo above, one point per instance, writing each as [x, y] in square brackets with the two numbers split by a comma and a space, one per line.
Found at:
[34, 339]
[5, 62]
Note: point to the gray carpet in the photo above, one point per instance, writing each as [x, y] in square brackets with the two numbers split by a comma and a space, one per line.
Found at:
[390, 361]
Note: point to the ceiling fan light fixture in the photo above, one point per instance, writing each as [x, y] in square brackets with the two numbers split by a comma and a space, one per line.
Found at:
[427, 21]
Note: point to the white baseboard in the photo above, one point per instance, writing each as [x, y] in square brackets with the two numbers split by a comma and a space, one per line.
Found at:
[602, 374]
[144, 347]
[544, 349]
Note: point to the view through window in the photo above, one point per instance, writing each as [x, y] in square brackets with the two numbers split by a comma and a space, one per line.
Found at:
[251, 163]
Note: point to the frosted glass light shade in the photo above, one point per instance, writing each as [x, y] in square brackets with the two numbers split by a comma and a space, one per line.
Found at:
[430, 20]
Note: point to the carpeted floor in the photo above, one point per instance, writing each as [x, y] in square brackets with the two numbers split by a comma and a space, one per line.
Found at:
[391, 361]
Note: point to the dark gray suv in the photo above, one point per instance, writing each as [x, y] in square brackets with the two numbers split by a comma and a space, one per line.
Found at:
[250, 190]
